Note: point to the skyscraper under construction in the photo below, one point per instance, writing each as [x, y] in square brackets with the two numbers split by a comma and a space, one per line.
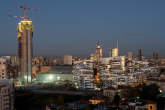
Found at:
[25, 49]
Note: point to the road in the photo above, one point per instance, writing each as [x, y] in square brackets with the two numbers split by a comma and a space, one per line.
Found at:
[62, 92]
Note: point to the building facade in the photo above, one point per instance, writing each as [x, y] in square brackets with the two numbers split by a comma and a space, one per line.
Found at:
[114, 52]
[4, 69]
[25, 49]
[6, 95]
[67, 60]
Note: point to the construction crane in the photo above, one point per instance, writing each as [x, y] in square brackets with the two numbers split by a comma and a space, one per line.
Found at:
[25, 18]
[25, 8]
[16, 17]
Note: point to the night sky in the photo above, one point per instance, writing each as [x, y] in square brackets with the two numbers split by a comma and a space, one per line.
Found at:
[74, 26]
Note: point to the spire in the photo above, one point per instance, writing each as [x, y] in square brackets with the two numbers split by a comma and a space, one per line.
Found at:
[117, 46]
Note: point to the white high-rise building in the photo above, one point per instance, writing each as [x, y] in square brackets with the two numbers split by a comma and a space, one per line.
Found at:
[83, 78]
[67, 60]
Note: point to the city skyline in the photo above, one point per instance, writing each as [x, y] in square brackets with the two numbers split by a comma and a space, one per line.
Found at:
[82, 55]
[74, 27]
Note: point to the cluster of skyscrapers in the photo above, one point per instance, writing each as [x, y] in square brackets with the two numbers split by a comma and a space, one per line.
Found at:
[114, 70]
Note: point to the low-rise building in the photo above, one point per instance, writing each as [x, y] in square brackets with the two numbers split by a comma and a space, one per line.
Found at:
[4, 69]
[53, 76]
[68, 60]
[6, 95]
[112, 91]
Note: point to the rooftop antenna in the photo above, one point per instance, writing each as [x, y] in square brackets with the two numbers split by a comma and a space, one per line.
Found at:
[117, 44]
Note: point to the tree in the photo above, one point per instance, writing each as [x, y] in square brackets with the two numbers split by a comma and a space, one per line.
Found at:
[64, 108]
[60, 100]
[87, 107]
[131, 93]
[116, 99]
[150, 92]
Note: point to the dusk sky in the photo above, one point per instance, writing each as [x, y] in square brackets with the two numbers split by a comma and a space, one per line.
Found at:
[74, 26]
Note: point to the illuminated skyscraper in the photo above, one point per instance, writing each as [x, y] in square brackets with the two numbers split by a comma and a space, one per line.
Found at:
[115, 51]
[99, 52]
[25, 49]
[139, 54]
[96, 67]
